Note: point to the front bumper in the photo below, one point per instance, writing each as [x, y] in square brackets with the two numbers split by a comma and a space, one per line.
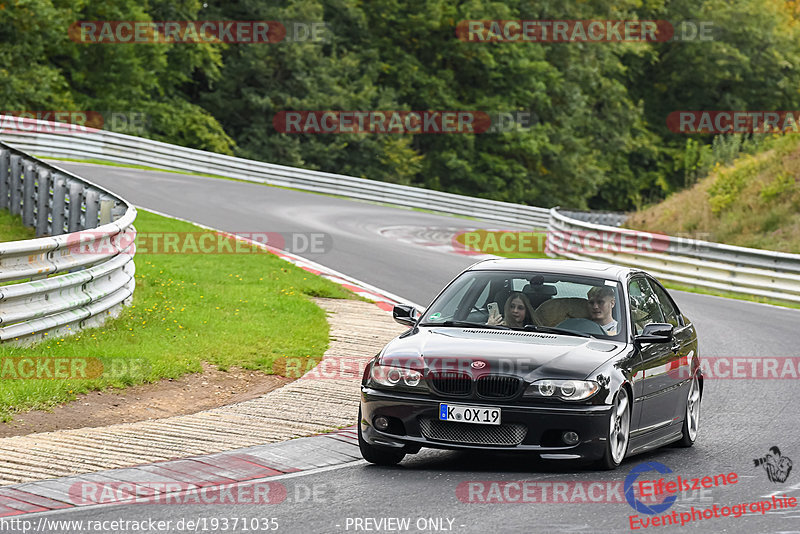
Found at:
[412, 416]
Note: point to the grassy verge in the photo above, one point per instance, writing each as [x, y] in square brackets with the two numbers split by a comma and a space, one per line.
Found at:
[754, 202]
[251, 310]
[11, 228]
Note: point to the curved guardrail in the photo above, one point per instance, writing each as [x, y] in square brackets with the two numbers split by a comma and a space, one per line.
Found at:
[79, 269]
[703, 264]
[120, 148]
[608, 218]
[576, 235]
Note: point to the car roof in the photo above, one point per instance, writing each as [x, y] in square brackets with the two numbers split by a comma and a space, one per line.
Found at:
[574, 267]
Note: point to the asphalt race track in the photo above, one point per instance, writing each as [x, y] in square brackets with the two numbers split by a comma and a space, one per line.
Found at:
[741, 418]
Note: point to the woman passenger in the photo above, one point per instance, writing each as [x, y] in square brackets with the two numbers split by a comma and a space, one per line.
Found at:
[517, 312]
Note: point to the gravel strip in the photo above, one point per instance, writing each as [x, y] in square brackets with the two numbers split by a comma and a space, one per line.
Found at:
[318, 402]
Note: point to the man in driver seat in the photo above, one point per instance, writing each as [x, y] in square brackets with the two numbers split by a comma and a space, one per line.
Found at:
[601, 302]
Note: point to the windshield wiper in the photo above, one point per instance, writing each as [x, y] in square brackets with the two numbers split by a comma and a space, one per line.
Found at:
[555, 330]
[467, 324]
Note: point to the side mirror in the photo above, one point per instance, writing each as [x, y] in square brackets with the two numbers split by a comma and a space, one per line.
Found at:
[405, 314]
[655, 333]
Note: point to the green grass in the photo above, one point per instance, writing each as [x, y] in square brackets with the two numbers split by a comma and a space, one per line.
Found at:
[11, 228]
[250, 310]
[753, 202]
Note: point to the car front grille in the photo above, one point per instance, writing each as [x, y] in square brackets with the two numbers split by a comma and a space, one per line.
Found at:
[471, 434]
[451, 383]
[497, 386]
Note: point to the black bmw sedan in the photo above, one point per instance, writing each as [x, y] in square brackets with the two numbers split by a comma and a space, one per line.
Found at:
[565, 359]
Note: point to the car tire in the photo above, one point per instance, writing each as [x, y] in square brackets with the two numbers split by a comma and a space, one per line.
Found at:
[691, 421]
[377, 455]
[619, 429]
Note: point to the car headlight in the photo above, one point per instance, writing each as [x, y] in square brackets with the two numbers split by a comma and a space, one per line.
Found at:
[568, 390]
[395, 377]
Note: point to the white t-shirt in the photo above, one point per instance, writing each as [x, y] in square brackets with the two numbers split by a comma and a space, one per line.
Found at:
[610, 328]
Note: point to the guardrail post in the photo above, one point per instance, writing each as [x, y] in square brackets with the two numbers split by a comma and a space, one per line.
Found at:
[106, 205]
[74, 207]
[15, 184]
[59, 192]
[118, 210]
[28, 193]
[92, 200]
[4, 163]
[42, 203]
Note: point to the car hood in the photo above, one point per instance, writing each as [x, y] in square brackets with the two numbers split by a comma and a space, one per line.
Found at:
[525, 354]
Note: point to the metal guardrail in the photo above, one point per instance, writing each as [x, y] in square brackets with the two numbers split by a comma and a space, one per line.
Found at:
[119, 148]
[696, 263]
[690, 262]
[608, 218]
[79, 270]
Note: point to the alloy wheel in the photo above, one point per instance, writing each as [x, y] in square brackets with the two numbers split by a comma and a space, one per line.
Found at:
[619, 427]
[693, 409]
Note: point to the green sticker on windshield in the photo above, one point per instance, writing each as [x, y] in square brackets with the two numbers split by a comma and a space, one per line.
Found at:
[435, 316]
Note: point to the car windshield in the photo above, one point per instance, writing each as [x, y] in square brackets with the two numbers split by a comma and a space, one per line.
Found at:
[526, 300]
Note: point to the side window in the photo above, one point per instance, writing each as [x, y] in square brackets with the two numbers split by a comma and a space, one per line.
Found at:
[645, 308]
[669, 310]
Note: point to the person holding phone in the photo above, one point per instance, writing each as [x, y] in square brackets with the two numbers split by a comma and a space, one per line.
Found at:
[517, 311]
[494, 314]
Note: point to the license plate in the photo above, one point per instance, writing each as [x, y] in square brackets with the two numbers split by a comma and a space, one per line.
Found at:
[468, 414]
